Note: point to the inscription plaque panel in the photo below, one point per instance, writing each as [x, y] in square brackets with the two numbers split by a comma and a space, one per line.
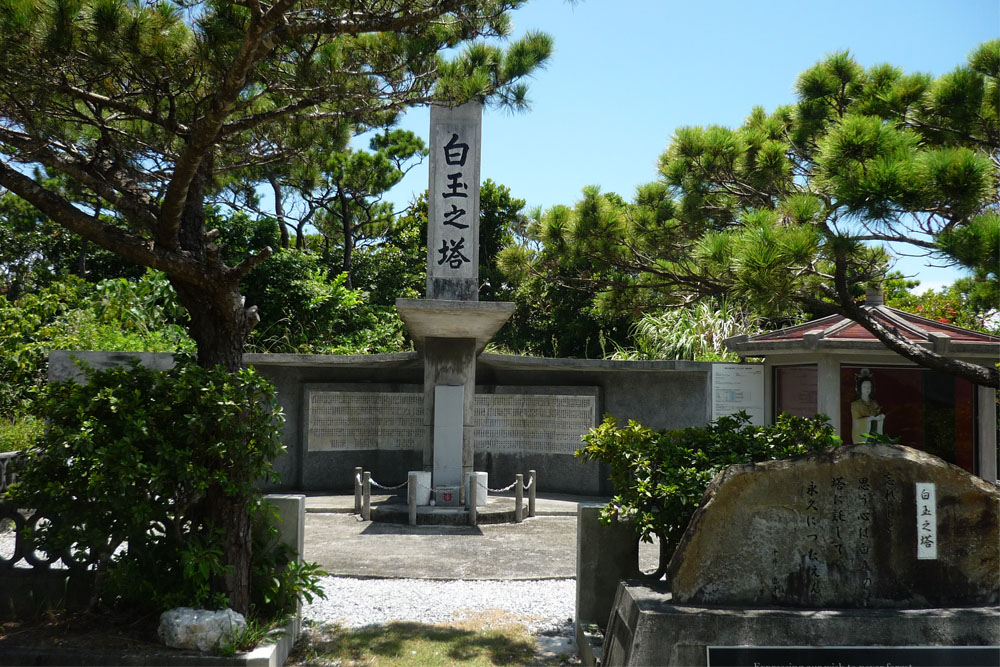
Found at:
[533, 423]
[349, 420]
[510, 423]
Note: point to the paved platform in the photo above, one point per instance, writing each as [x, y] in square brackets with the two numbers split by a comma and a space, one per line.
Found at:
[549, 504]
[542, 547]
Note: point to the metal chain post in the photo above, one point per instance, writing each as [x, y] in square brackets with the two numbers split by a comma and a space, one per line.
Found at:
[411, 497]
[357, 490]
[366, 506]
[473, 492]
[532, 478]
[518, 498]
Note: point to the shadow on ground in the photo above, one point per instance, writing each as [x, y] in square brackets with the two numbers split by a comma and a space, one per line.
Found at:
[416, 644]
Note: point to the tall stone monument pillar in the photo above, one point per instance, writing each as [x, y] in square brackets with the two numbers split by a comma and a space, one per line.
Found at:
[451, 327]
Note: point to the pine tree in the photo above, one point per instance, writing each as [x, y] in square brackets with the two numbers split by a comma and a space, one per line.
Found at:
[795, 208]
[152, 108]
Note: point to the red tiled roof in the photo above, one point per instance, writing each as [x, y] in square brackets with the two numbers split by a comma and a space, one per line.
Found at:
[913, 327]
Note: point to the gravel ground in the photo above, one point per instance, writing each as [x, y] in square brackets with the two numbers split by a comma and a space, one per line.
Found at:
[543, 607]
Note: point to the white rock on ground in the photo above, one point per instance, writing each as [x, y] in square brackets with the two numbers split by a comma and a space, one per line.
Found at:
[200, 629]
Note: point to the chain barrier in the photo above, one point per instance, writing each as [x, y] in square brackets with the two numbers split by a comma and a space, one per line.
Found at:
[506, 488]
[531, 480]
[388, 488]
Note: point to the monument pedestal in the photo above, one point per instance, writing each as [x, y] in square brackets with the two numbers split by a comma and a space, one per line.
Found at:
[449, 335]
[647, 628]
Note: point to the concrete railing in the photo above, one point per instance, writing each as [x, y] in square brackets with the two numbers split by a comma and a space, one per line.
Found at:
[31, 580]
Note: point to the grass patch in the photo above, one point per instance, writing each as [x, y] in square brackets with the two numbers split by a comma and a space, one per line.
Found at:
[20, 433]
[400, 644]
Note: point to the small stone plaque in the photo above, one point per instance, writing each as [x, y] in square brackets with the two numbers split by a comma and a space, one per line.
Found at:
[926, 522]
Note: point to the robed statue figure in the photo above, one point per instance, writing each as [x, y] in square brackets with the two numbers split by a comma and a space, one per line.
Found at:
[866, 415]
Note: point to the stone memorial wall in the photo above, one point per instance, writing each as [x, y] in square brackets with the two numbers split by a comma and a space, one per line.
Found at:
[505, 423]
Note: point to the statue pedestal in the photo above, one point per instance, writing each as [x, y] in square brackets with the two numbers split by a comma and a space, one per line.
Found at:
[449, 335]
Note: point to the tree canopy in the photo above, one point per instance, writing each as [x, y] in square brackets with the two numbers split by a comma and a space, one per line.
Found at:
[146, 111]
[804, 206]
[152, 107]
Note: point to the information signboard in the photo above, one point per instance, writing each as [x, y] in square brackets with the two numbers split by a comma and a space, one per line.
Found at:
[738, 387]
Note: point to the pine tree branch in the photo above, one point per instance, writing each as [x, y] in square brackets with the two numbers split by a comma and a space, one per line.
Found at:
[894, 238]
[981, 375]
[363, 22]
[119, 105]
[129, 246]
[205, 132]
[132, 202]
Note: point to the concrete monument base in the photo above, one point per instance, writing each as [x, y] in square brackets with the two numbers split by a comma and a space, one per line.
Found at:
[647, 628]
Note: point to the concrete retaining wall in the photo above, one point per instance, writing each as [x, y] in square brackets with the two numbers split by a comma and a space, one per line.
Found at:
[665, 394]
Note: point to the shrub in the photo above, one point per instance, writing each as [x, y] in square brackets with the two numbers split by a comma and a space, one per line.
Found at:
[71, 314]
[661, 476]
[134, 467]
[19, 434]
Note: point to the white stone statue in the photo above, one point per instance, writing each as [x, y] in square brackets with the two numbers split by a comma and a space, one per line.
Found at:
[866, 414]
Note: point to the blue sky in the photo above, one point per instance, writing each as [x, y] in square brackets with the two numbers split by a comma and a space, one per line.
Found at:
[627, 73]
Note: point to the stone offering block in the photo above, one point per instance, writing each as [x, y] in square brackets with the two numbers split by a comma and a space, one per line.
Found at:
[861, 526]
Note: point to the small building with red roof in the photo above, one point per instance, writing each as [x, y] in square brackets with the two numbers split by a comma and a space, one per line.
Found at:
[821, 365]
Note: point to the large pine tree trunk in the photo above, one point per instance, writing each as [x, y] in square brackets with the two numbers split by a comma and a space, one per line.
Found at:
[219, 325]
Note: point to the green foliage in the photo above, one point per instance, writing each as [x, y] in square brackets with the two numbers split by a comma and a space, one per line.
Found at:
[346, 188]
[800, 208]
[71, 314]
[500, 217]
[960, 304]
[245, 638]
[661, 476]
[303, 310]
[36, 252]
[132, 469]
[554, 315]
[20, 433]
[396, 267]
[696, 332]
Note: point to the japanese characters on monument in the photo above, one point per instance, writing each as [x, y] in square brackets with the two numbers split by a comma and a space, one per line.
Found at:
[453, 203]
[926, 521]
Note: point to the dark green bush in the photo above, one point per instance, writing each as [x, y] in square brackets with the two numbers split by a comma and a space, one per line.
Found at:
[132, 470]
[661, 476]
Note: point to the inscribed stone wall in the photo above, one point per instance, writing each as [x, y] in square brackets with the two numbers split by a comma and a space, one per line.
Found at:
[505, 423]
[351, 420]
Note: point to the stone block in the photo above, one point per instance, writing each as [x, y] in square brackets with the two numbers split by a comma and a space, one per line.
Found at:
[848, 528]
[647, 628]
[605, 554]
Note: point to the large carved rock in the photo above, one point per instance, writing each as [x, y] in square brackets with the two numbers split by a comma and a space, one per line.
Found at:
[843, 529]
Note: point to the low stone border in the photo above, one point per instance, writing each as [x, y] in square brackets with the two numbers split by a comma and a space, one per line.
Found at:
[270, 654]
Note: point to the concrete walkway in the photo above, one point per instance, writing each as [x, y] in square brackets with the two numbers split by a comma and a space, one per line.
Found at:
[542, 547]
